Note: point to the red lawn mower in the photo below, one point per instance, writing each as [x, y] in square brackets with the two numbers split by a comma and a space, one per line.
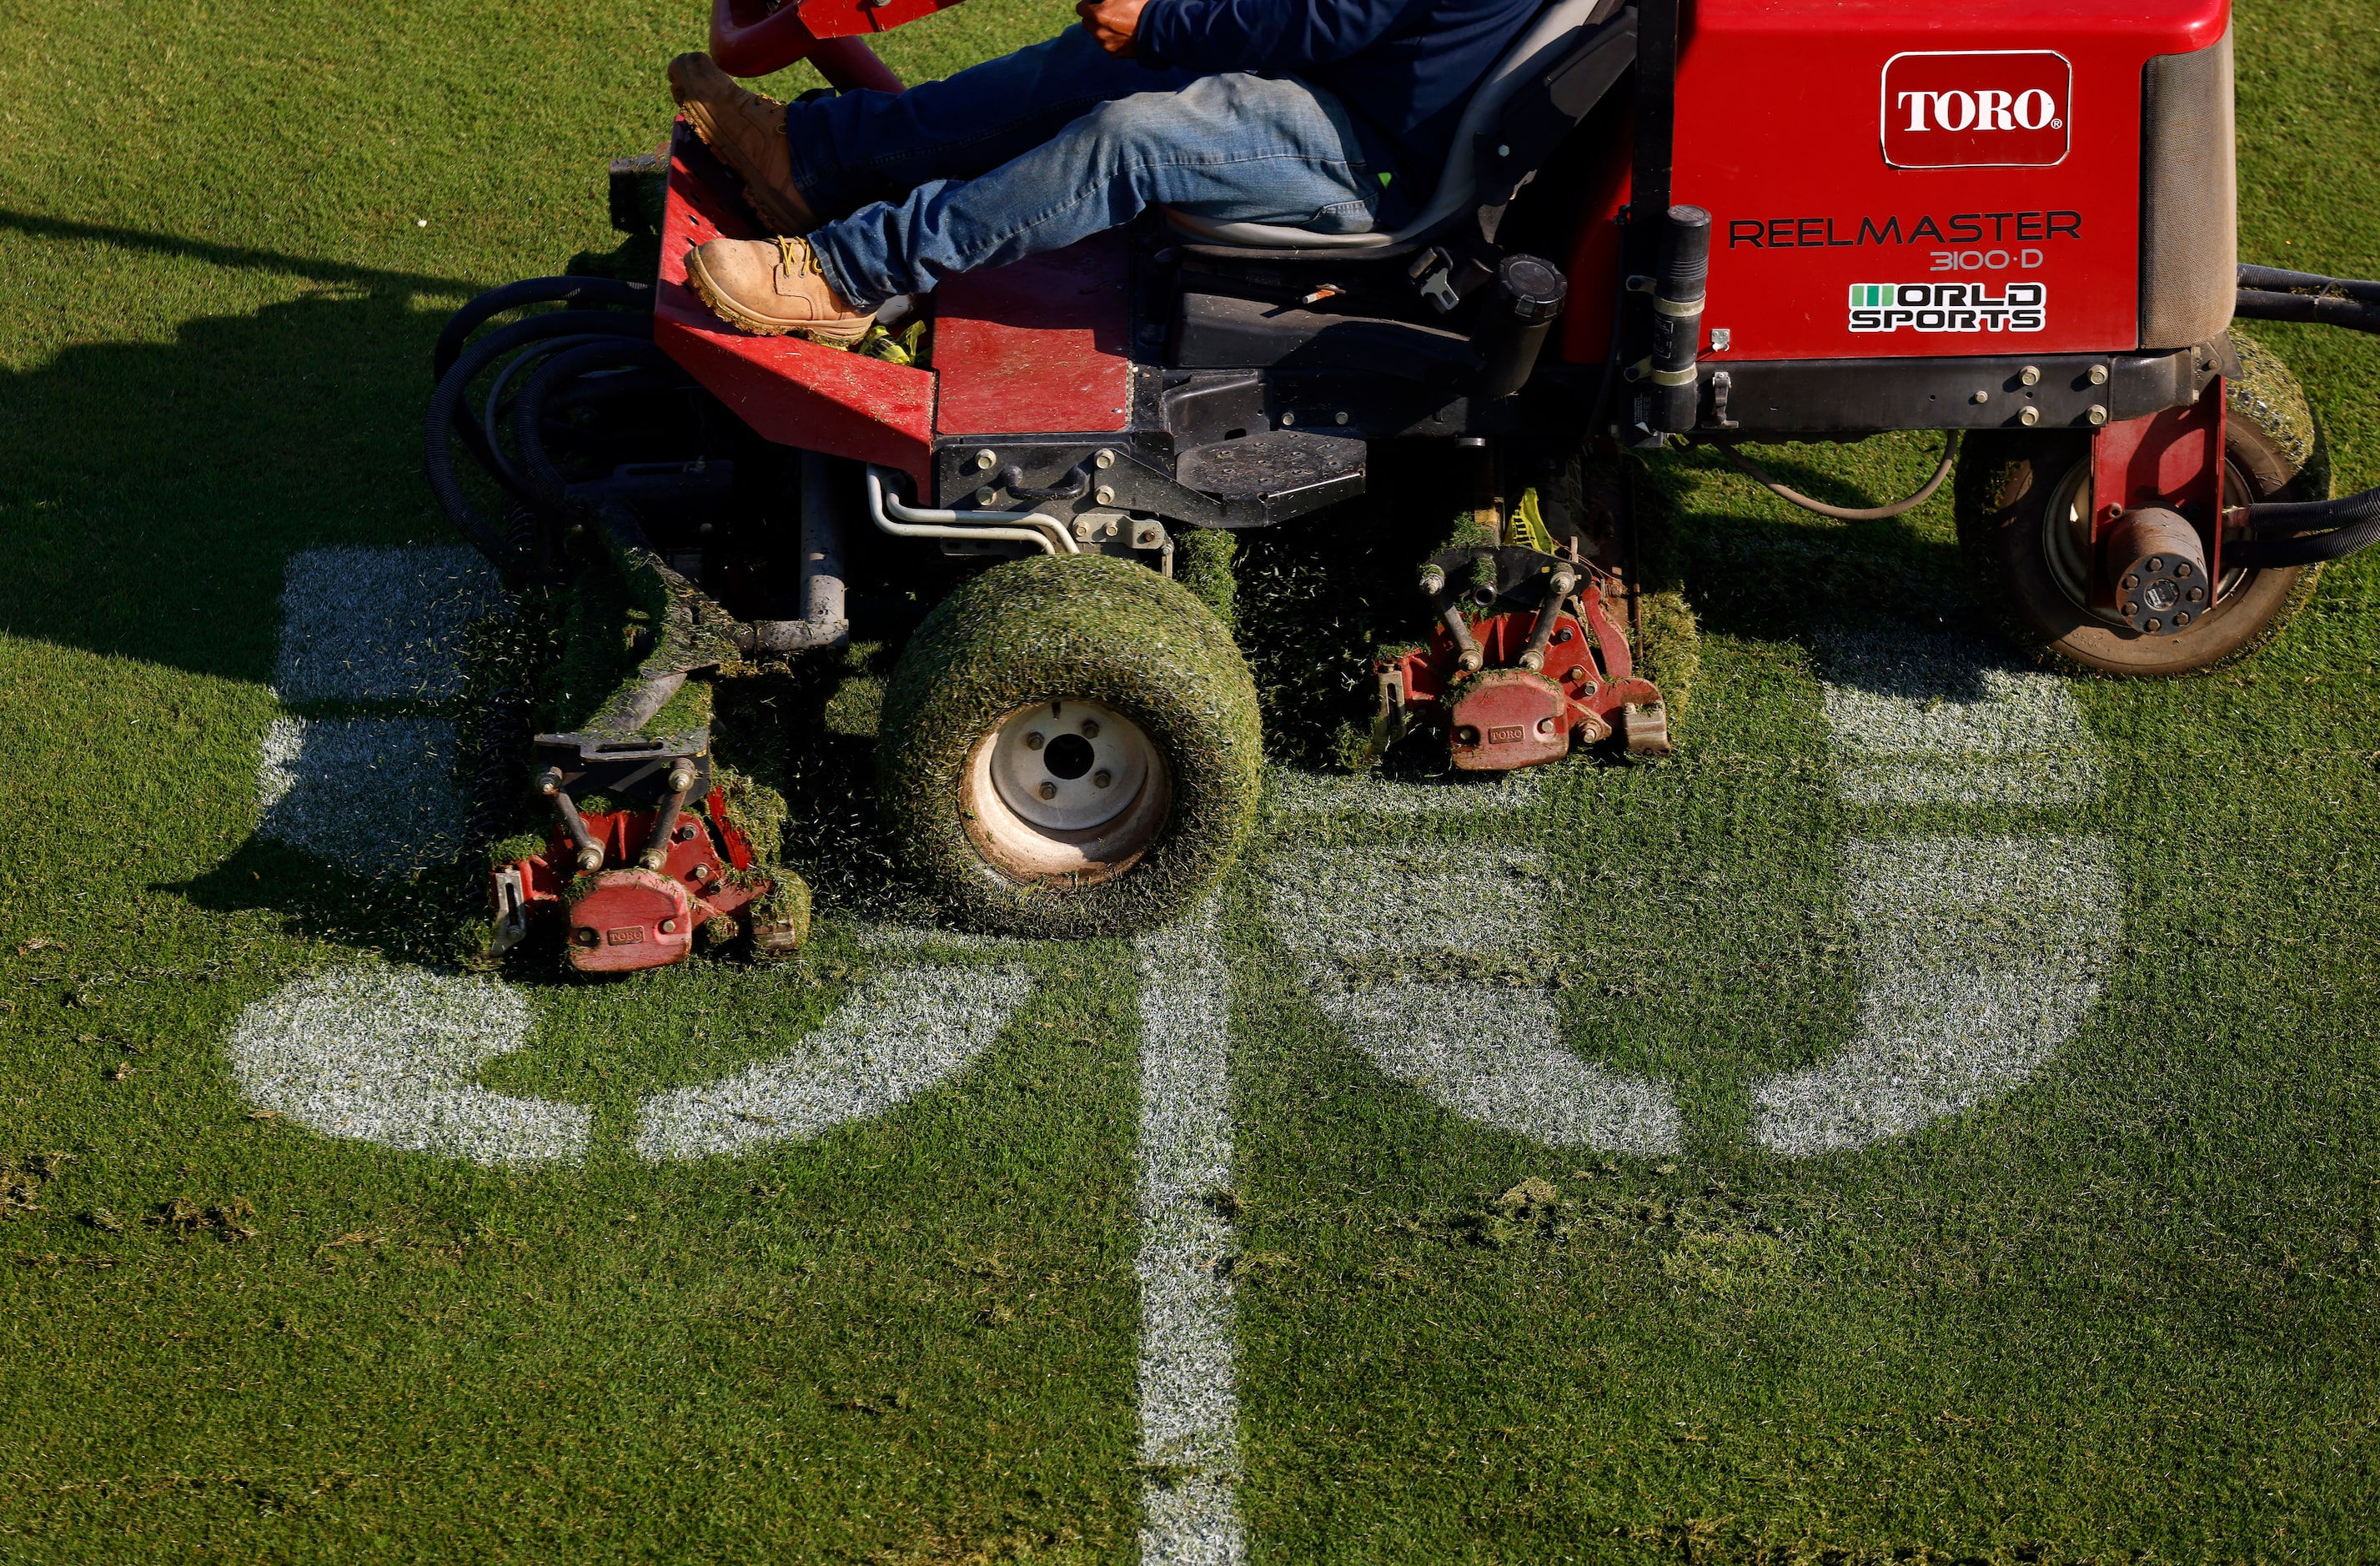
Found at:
[1722, 221]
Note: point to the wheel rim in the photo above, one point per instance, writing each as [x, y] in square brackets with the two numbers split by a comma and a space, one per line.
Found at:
[1067, 790]
[2066, 538]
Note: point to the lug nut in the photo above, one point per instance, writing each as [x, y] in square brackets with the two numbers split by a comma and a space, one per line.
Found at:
[2156, 624]
[2156, 564]
[2132, 581]
[2194, 594]
[1033, 740]
[2131, 609]
[1049, 790]
[2180, 618]
[2181, 568]
[1101, 778]
[1090, 728]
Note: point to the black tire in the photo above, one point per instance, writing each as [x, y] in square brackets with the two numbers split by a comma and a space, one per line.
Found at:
[1077, 635]
[2007, 484]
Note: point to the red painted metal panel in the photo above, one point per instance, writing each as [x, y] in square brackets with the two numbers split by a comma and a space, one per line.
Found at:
[1037, 346]
[1786, 112]
[792, 392]
[845, 18]
[2173, 458]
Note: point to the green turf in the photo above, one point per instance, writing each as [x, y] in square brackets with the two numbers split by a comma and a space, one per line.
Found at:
[2124, 1313]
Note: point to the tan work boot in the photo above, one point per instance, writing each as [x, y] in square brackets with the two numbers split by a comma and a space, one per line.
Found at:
[774, 286]
[747, 131]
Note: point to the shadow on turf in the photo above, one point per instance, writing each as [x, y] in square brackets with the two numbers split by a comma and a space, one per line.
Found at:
[149, 492]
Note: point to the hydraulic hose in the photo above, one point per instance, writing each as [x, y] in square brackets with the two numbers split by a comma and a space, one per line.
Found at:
[532, 291]
[2267, 293]
[544, 480]
[2351, 522]
[489, 407]
[1846, 513]
[447, 414]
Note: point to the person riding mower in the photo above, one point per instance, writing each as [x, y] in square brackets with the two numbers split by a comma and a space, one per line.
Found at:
[999, 368]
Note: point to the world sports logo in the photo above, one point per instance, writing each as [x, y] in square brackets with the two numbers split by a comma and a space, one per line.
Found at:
[1948, 307]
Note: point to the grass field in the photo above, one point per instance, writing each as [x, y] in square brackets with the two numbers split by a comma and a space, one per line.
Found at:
[1768, 1284]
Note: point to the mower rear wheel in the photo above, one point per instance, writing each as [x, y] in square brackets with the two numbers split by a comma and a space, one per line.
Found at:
[2024, 500]
[1069, 747]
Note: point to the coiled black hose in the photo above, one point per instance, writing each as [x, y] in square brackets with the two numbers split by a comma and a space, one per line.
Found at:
[2353, 522]
[532, 291]
[544, 480]
[449, 414]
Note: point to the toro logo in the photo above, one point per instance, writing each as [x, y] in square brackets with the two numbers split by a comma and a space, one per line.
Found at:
[1982, 109]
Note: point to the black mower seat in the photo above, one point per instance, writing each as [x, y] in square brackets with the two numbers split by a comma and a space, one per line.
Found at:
[1557, 29]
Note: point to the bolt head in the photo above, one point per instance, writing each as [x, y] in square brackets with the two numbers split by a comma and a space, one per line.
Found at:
[2130, 609]
[986, 495]
[1544, 725]
[1467, 734]
[2099, 414]
[1033, 740]
[549, 786]
[2099, 375]
[1101, 778]
[2156, 624]
[1090, 728]
[1470, 660]
[1107, 494]
[2180, 618]
[1339, 417]
[1049, 790]
[985, 458]
[591, 859]
[2194, 594]
[1104, 460]
[2132, 580]
[700, 872]
[2181, 568]
[669, 927]
[587, 935]
[1982, 396]
[2030, 375]
[1288, 419]
[684, 834]
[2029, 417]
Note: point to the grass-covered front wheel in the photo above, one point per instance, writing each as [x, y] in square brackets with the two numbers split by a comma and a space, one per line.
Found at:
[2024, 503]
[1069, 747]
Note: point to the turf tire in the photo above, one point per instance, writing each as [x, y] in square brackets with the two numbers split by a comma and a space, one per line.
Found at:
[2007, 481]
[1082, 629]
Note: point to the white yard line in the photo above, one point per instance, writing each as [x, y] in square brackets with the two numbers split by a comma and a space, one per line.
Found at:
[1189, 1407]
[898, 1035]
[1388, 936]
[386, 1055]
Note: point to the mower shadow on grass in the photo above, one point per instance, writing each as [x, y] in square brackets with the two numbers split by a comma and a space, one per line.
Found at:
[151, 491]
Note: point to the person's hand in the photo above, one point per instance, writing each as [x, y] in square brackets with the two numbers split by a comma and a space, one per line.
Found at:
[1113, 22]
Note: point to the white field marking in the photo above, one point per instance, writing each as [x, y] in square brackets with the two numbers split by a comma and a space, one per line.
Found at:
[1489, 1052]
[1978, 957]
[1293, 791]
[897, 1035]
[379, 624]
[387, 1055]
[1189, 1403]
[1925, 719]
[375, 796]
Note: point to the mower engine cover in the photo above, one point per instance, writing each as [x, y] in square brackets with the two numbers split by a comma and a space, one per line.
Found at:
[1994, 177]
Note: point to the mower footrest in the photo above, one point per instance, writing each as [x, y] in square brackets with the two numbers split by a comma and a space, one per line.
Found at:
[1274, 475]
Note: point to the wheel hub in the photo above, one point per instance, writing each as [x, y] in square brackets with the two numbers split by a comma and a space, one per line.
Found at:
[1069, 766]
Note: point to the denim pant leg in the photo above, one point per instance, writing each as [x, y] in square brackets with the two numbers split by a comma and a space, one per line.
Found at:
[859, 147]
[1247, 149]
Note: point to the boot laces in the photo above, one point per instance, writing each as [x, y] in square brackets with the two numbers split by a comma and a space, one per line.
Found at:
[793, 258]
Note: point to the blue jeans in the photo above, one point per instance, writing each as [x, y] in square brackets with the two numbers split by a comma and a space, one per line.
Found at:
[1037, 150]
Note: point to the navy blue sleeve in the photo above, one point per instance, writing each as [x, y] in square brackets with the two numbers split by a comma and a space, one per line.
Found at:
[1272, 36]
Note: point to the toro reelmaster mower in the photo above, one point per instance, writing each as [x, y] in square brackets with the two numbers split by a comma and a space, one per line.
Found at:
[1677, 221]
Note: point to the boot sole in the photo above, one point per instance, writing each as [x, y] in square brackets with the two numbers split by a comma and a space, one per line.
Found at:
[835, 335]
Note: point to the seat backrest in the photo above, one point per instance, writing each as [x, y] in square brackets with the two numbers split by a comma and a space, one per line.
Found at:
[1557, 29]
